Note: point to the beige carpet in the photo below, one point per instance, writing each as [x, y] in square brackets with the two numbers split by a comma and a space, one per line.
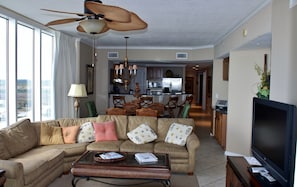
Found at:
[177, 180]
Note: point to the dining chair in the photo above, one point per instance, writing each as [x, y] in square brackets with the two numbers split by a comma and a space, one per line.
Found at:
[146, 112]
[185, 111]
[171, 105]
[145, 101]
[91, 109]
[116, 111]
[118, 101]
[159, 107]
[188, 99]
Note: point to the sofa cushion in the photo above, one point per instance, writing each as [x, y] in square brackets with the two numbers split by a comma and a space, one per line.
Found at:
[164, 124]
[105, 146]
[121, 122]
[18, 138]
[129, 146]
[178, 134]
[4, 153]
[70, 134]
[142, 134]
[68, 149]
[86, 133]
[50, 135]
[105, 131]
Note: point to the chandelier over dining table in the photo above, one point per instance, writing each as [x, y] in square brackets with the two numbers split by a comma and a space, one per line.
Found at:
[123, 72]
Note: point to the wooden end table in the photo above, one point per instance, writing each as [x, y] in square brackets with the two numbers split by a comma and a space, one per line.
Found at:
[86, 167]
[2, 177]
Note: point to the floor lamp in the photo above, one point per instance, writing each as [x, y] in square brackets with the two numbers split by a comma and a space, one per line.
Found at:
[76, 91]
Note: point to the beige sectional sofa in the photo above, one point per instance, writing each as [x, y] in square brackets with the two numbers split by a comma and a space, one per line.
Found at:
[30, 163]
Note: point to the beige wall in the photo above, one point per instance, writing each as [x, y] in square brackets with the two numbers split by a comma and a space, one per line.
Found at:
[256, 26]
[242, 87]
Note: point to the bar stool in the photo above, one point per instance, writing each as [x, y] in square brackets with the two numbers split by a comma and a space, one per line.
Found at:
[171, 105]
[145, 101]
[119, 101]
[159, 107]
[189, 99]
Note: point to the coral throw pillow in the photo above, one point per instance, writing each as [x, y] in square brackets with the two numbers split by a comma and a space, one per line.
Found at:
[70, 134]
[105, 131]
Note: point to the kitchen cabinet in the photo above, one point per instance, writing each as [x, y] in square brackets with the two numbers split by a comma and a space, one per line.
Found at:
[154, 73]
[220, 128]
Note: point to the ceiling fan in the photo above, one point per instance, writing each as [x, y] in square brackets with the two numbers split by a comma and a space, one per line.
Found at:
[99, 18]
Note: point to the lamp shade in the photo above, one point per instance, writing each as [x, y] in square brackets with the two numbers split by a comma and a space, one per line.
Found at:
[77, 90]
[92, 26]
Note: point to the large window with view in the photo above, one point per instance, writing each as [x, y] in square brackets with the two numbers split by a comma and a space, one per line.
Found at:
[26, 61]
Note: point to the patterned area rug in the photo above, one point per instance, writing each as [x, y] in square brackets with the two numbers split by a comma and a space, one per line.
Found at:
[177, 180]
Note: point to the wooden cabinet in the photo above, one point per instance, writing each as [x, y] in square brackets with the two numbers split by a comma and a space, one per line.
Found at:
[226, 69]
[220, 128]
[237, 174]
[154, 73]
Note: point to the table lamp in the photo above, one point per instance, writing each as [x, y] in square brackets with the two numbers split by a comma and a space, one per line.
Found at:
[76, 91]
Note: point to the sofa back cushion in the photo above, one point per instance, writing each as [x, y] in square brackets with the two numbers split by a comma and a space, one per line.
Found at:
[120, 123]
[135, 121]
[165, 123]
[19, 137]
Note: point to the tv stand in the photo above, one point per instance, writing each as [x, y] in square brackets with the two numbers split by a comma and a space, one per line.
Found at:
[238, 174]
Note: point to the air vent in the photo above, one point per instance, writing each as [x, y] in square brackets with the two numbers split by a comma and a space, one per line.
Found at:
[113, 55]
[181, 55]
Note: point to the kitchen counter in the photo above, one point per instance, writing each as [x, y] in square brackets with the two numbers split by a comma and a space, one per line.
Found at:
[162, 98]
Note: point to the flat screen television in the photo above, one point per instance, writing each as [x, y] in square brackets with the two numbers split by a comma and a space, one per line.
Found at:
[274, 138]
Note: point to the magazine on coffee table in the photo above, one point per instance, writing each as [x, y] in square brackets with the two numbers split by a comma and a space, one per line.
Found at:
[146, 158]
[111, 155]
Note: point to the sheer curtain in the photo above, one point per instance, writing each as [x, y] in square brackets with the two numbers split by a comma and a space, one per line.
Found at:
[66, 72]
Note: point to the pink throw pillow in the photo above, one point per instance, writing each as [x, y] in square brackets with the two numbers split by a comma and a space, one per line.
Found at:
[105, 131]
[70, 133]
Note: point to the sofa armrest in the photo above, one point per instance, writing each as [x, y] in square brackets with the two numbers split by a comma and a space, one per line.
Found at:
[13, 170]
[192, 144]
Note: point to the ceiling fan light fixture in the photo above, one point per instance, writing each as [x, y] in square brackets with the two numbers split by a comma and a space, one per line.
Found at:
[92, 26]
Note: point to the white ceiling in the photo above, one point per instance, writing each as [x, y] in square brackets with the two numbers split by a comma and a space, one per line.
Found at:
[174, 24]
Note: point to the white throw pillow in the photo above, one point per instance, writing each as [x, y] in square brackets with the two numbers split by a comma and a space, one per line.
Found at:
[86, 133]
[178, 134]
[142, 134]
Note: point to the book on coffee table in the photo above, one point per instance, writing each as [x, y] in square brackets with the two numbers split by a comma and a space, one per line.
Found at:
[110, 155]
[146, 158]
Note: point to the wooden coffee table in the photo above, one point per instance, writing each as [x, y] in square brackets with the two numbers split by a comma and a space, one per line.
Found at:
[128, 168]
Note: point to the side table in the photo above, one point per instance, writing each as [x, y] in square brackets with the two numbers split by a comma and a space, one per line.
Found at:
[2, 178]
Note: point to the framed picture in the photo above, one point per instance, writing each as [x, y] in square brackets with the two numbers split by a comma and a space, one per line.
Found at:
[90, 79]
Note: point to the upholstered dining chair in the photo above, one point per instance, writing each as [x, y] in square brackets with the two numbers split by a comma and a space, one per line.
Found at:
[146, 112]
[185, 111]
[171, 105]
[118, 101]
[91, 108]
[188, 99]
[159, 107]
[145, 101]
[116, 111]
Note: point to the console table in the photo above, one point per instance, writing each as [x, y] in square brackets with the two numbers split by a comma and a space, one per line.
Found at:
[239, 176]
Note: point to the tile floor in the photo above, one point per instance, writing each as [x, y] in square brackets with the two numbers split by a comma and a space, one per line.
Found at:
[211, 161]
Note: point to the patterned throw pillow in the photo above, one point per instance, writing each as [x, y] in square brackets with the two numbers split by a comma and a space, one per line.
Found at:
[86, 133]
[178, 134]
[142, 134]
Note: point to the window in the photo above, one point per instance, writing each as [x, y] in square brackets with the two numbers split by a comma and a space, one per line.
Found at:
[26, 61]
[3, 68]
